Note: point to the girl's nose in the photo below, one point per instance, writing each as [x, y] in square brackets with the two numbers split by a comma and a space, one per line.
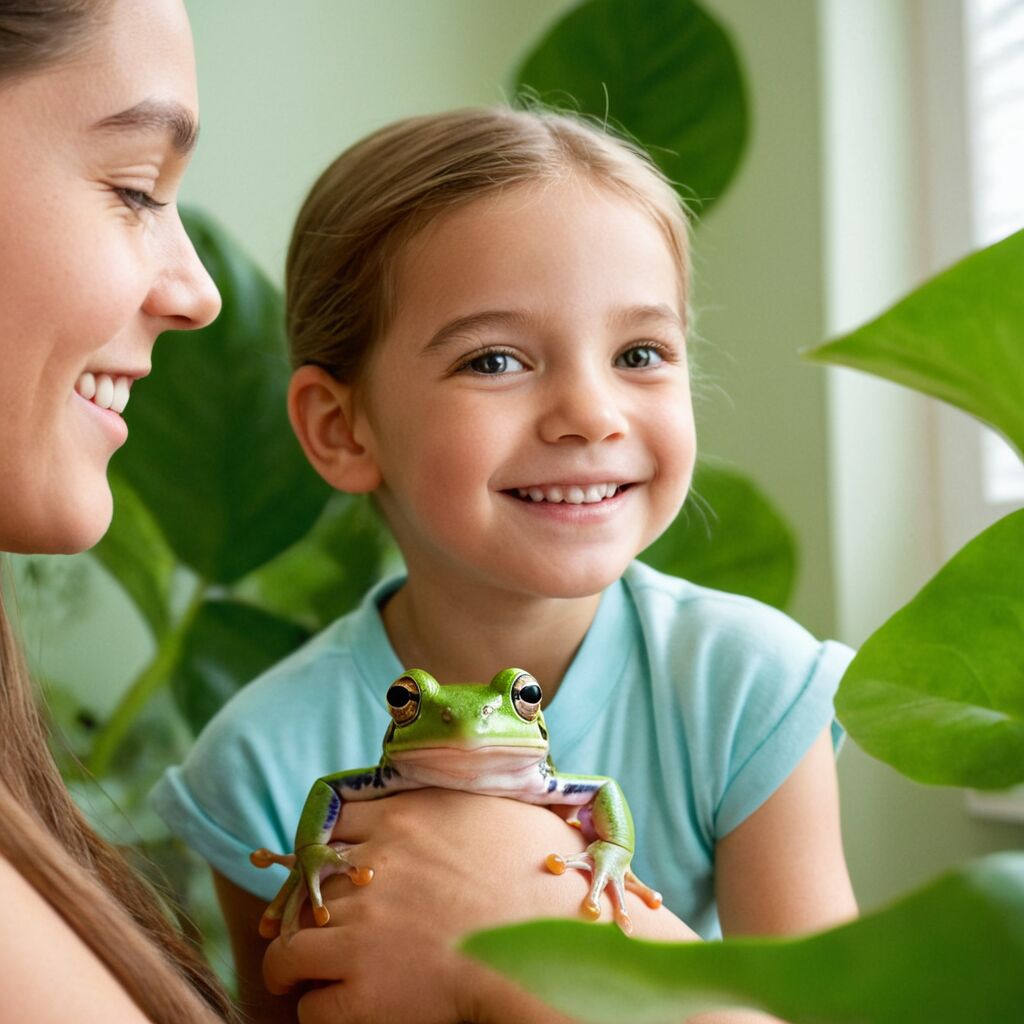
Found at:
[586, 410]
[183, 293]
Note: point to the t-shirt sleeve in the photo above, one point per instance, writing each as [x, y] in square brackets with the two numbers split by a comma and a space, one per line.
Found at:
[221, 801]
[783, 701]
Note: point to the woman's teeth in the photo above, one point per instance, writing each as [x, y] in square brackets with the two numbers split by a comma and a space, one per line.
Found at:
[571, 495]
[105, 391]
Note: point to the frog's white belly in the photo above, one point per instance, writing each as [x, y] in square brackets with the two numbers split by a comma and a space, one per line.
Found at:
[492, 770]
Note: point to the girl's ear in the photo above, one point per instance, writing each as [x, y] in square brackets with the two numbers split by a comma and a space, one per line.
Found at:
[322, 412]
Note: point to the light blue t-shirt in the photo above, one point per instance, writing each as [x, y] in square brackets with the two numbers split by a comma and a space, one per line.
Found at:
[699, 703]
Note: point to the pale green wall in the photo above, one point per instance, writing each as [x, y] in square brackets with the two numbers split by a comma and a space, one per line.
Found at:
[285, 87]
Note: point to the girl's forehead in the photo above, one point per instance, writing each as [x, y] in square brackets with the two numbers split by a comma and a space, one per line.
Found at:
[506, 246]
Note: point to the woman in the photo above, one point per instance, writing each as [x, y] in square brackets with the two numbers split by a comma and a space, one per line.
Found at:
[97, 115]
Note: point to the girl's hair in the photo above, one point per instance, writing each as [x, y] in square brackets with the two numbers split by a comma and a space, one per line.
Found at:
[42, 833]
[385, 189]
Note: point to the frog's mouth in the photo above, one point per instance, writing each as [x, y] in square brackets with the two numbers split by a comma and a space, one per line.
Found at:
[468, 765]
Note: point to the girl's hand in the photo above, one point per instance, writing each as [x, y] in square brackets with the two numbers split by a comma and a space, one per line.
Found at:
[446, 864]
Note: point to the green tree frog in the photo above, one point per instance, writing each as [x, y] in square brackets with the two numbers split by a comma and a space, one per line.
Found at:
[480, 738]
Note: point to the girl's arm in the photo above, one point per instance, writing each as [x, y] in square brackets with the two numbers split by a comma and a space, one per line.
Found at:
[782, 871]
[242, 912]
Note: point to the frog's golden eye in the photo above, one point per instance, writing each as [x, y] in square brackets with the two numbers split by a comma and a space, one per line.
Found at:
[526, 697]
[404, 700]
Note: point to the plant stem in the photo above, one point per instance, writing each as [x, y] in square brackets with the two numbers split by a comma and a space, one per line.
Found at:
[145, 685]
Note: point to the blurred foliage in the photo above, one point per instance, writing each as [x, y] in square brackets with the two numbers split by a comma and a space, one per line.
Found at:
[730, 537]
[947, 954]
[666, 73]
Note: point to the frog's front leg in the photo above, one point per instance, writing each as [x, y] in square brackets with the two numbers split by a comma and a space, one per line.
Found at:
[605, 821]
[316, 857]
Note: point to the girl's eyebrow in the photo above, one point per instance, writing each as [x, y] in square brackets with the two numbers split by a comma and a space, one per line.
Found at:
[627, 316]
[156, 115]
[464, 325]
[659, 312]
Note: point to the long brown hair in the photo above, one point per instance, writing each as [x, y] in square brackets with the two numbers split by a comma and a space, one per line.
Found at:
[42, 832]
[383, 190]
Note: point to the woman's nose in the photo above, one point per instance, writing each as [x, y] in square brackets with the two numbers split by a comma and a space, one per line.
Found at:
[183, 293]
[583, 408]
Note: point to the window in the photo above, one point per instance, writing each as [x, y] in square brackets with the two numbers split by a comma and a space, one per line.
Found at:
[994, 37]
[994, 107]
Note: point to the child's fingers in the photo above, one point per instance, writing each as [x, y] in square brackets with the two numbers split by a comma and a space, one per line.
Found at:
[312, 954]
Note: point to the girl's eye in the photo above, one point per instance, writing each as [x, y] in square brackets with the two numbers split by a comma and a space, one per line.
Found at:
[640, 357]
[493, 364]
[136, 199]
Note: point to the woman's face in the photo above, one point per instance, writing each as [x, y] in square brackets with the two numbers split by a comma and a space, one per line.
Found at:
[91, 268]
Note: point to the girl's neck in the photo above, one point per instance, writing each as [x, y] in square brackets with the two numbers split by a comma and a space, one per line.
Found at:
[468, 634]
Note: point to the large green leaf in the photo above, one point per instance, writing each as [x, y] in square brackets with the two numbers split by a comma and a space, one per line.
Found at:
[938, 691]
[212, 454]
[948, 954]
[663, 69]
[135, 553]
[227, 645]
[960, 337]
[327, 573]
[730, 537]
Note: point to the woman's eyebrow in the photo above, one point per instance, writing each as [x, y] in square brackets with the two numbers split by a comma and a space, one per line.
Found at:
[156, 115]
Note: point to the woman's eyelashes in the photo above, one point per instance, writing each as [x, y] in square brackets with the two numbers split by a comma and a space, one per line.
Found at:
[138, 200]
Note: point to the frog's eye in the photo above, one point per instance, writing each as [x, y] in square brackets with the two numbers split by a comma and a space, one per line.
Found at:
[526, 697]
[404, 700]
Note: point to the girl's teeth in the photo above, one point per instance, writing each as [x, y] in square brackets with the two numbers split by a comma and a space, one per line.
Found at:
[104, 390]
[571, 495]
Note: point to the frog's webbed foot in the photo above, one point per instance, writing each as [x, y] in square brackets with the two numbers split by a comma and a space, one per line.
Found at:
[309, 867]
[608, 865]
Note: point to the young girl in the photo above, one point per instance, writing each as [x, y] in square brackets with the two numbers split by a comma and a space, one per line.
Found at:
[92, 271]
[488, 316]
